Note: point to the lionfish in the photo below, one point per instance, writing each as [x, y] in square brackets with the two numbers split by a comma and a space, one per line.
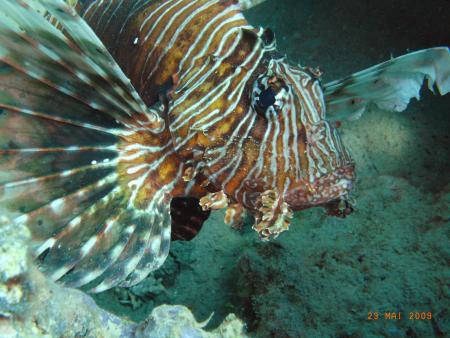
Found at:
[122, 123]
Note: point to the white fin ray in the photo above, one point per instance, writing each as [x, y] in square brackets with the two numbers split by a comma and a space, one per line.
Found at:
[79, 40]
[63, 100]
[140, 257]
[390, 85]
[89, 43]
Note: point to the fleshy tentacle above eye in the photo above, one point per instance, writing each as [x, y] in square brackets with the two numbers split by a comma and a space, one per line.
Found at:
[389, 85]
[247, 4]
[70, 125]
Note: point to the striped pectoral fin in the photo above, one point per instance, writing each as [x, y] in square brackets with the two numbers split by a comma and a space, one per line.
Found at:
[74, 65]
[157, 244]
[66, 116]
[110, 244]
[146, 249]
[389, 85]
[75, 240]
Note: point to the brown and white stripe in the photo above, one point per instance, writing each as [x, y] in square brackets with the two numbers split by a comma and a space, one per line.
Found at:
[205, 75]
[211, 109]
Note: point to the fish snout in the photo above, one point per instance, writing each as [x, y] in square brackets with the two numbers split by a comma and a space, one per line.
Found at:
[333, 186]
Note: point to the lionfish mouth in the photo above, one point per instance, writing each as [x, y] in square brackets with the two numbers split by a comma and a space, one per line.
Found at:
[332, 186]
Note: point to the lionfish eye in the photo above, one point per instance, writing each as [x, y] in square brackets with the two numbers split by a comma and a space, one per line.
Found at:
[264, 95]
[266, 98]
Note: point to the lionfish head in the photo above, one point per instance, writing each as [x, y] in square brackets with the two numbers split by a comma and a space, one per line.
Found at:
[257, 126]
[307, 155]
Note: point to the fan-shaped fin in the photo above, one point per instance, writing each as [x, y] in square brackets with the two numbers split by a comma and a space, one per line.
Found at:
[150, 250]
[69, 120]
[389, 85]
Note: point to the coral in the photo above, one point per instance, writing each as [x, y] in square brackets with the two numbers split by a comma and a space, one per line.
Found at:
[178, 321]
[33, 306]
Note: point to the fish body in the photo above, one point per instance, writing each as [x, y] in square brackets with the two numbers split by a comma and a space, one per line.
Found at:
[222, 65]
[117, 130]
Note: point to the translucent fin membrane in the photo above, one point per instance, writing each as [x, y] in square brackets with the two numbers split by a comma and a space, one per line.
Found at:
[66, 111]
[389, 85]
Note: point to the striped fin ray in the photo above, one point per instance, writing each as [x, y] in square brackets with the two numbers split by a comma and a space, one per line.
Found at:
[150, 250]
[67, 116]
[48, 43]
[389, 85]
[92, 47]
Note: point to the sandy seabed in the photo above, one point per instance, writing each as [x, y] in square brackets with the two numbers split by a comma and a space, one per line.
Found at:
[324, 276]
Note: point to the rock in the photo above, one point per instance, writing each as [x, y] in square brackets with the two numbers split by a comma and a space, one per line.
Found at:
[33, 306]
[178, 321]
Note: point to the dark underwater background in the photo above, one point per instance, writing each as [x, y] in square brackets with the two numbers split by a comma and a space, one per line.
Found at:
[325, 276]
